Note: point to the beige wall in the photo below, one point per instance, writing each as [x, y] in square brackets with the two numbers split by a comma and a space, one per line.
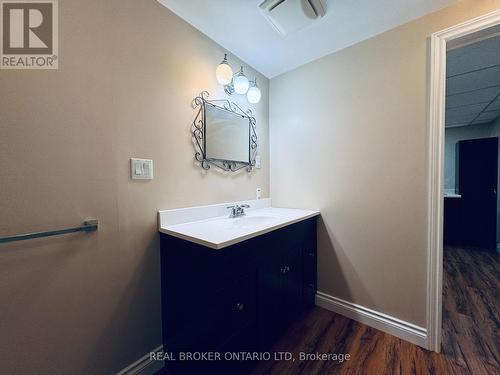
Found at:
[348, 136]
[128, 71]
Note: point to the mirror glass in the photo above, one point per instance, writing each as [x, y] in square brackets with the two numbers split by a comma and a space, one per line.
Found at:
[227, 135]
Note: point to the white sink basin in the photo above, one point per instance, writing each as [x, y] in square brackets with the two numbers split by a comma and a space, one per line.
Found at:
[253, 221]
[211, 226]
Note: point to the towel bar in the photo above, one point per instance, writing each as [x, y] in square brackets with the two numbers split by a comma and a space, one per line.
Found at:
[90, 225]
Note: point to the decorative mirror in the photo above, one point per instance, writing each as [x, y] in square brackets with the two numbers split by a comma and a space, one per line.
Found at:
[224, 135]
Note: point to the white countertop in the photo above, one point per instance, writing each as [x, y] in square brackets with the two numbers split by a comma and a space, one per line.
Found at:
[206, 226]
[452, 195]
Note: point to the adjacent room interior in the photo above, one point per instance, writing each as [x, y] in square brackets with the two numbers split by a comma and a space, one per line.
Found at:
[471, 203]
[249, 187]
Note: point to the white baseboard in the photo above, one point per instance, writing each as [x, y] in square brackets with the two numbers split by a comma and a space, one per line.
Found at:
[143, 366]
[386, 323]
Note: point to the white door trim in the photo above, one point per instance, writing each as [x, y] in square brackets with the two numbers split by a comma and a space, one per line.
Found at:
[439, 42]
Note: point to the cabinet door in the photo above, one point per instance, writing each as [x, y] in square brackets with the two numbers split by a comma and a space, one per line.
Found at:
[281, 279]
[279, 292]
[309, 278]
[270, 280]
[477, 179]
[291, 287]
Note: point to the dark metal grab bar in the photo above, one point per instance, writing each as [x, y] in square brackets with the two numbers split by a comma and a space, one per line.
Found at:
[87, 226]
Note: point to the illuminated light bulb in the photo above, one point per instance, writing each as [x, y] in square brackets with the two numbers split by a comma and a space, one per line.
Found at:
[224, 73]
[254, 94]
[241, 83]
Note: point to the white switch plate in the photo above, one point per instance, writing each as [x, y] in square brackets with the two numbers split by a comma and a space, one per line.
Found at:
[257, 161]
[258, 192]
[141, 169]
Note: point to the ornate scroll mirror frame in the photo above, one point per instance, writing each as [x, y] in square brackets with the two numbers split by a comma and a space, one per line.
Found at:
[199, 134]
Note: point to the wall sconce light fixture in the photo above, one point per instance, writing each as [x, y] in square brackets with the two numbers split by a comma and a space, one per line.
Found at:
[237, 83]
[253, 93]
[241, 82]
[224, 73]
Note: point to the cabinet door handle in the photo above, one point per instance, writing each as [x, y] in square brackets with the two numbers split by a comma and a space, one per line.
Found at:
[285, 269]
[240, 306]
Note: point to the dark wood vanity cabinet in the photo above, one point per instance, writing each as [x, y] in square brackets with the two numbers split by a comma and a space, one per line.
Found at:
[286, 281]
[239, 298]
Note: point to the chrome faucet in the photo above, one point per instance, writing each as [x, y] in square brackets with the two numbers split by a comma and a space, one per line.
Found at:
[238, 210]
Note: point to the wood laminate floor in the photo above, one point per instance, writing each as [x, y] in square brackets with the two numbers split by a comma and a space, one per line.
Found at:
[471, 340]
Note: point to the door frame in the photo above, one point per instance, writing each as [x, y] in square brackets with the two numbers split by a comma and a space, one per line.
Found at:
[439, 42]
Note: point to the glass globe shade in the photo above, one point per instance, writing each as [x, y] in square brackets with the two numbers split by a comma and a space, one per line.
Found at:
[241, 84]
[253, 95]
[224, 74]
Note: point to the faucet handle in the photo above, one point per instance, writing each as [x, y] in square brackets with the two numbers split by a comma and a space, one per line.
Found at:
[245, 205]
[234, 210]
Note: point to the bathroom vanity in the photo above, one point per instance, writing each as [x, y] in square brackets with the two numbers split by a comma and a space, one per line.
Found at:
[232, 284]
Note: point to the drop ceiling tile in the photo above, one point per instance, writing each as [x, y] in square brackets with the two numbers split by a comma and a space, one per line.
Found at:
[495, 106]
[461, 116]
[465, 110]
[473, 81]
[474, 56]
[479, 96]
[488, 116]
[456, 124]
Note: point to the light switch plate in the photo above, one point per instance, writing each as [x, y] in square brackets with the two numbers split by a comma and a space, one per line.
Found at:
[141, 169]
[257, 162]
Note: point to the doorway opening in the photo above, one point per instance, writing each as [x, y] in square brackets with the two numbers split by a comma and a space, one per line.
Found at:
[463, 166]
[470, 234]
